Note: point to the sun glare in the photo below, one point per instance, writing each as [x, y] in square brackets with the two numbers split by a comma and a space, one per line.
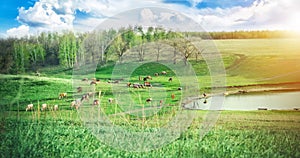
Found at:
[294, 22]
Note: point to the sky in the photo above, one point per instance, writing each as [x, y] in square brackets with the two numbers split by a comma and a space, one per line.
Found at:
[28, 17]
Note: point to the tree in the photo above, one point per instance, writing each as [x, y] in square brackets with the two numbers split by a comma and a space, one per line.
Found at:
[158, 37]
[119, 46]
[6, 54]
[68, 48]
[140, 42]
[20, 56]
[186, 48]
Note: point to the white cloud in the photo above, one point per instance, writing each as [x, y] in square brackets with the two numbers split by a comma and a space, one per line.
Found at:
[54, 15]
[263, 14]
[48, 15]
[20, 31]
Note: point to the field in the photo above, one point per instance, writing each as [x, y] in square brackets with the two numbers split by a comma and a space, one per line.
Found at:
[63, 133]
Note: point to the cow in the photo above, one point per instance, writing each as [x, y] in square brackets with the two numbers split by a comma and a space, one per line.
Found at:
[85, 97]
[147, 84]
[110, 100]
[164, 73]
[55, 108]
[173, 96]
[62, 95]
[29, 107]
[96, 102]
[79, 89]
[85, 79]
[93, 83]
[44, 107]
[148, 100]
[76, 103]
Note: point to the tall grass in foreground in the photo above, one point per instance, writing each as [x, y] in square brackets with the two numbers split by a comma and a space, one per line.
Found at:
[236, 134]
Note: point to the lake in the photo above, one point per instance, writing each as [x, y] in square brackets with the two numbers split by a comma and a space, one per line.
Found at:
[250, 101]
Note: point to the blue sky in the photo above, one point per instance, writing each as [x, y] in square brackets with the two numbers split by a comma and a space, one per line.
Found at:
[9, 12]
[22, 17]
[212, 3]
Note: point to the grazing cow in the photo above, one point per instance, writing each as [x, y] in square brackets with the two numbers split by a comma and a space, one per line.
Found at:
[148, 100]
[205, 101]
[93, 82]
[79, 89]
[89, 94]
[96, 102]
[128, 84]
[110, 100]
[76, 103]
[163, 72]
[147, 78]
[156, 74]
[29, 107]
[44, 107]
[136, 85]
[204, 95]
[170, 79]
[179, 88]
[85, 97]
[55, 108]
[85, 79]
[147, 84]
[62, 95]
[173, 96]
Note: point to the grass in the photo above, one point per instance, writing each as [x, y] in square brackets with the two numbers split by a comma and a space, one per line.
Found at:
[236, 133]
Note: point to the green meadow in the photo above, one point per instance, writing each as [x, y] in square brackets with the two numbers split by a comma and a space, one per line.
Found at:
[62, 133]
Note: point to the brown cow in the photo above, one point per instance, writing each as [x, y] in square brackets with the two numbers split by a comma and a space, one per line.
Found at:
[79, 89]
[93, 82]
[96, 102]
[173, 96]
[62, 95]
[85, 79]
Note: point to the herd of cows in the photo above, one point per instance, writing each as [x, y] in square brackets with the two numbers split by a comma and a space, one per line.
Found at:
[86, 96]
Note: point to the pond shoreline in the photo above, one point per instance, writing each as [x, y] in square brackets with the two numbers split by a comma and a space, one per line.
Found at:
[259, 88]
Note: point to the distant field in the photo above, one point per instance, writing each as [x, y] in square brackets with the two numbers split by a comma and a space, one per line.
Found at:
[263, 60]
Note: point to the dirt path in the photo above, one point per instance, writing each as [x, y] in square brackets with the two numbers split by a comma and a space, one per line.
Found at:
[237, 62]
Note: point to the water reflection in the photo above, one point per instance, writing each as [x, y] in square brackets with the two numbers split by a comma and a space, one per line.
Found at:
[252, 101]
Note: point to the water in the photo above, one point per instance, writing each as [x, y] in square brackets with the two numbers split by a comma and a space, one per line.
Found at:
[250, 101]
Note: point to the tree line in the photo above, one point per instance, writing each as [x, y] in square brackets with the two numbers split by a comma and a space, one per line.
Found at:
[262, 34]
[69, 49]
